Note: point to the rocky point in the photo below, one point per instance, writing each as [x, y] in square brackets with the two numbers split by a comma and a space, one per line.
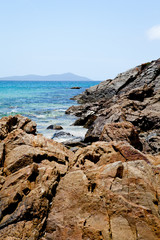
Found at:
[107, 188]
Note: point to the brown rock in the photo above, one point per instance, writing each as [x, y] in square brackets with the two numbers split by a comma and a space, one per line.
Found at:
[30, 127]
[47, 192]
[122, 131]
[22, 149]
[24, 209]
[55, 127]
[109, 198]
[8, 124]
[31, 168]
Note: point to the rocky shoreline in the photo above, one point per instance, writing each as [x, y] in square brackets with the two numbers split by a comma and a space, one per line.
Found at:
[133, 96]
[108, 187]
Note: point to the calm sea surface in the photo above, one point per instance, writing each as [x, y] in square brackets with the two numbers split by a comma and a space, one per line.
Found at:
[44, 102]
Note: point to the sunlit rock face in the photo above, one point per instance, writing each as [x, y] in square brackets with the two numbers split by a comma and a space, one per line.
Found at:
[110, 192]
[31, 168]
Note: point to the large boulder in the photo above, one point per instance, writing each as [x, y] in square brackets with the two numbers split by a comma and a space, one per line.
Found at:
[121, 131]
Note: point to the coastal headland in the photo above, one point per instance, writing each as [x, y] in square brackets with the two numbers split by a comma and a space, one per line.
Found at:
[108, 187]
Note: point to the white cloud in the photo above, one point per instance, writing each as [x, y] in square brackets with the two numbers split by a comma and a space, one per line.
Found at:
[154, 32]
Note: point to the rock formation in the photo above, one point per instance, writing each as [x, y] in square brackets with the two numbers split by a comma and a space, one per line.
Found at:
[109, 189]
[133, 96]
[31, 168]
[110, 192]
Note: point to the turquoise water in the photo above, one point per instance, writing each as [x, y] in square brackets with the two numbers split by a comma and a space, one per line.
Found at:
[44, 102]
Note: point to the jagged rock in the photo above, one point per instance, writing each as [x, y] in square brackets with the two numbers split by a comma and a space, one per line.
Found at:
[31, 168]
[121, 131]
[74, 143]
[22, 149]
[111, 192]
[132, 96]
[137, 77]
[8, 124]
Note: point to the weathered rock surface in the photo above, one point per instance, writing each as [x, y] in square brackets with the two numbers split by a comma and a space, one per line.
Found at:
[8, 124]
[111, 192]
[31, 168]
[106, 190]
[133, 96]
[134, 78]
[121, 131]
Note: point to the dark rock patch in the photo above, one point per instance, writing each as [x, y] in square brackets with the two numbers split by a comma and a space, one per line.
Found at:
[75, 87]
[55, 127]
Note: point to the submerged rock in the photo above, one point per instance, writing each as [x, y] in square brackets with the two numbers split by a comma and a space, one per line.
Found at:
[75, 87]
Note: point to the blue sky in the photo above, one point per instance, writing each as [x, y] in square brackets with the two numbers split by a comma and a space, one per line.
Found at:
[93, 38]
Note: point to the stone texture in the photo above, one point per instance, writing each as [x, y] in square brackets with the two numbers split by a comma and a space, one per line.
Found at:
[121, 131]
[108, 193]
[137, 77]
[48, 192]
[31, 168]
[8, 124]
[133, 96]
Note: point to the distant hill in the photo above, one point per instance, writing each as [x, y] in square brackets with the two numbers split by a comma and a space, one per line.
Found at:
[53, 77]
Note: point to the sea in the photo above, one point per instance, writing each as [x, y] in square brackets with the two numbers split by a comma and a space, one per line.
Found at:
[44, 102]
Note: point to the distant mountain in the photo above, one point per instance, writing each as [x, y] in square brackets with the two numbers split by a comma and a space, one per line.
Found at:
[53, 77]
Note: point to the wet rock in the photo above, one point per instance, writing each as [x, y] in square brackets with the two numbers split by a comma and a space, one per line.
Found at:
[55, 127]
[75, 142]
[75, 87]
[62, 134]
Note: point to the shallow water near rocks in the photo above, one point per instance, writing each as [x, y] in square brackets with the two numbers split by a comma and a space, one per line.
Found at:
[45, 102]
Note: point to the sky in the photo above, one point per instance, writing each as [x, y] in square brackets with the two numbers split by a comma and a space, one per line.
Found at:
[93, 38]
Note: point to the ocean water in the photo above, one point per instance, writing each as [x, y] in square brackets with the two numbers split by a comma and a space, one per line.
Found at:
[43, 102]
